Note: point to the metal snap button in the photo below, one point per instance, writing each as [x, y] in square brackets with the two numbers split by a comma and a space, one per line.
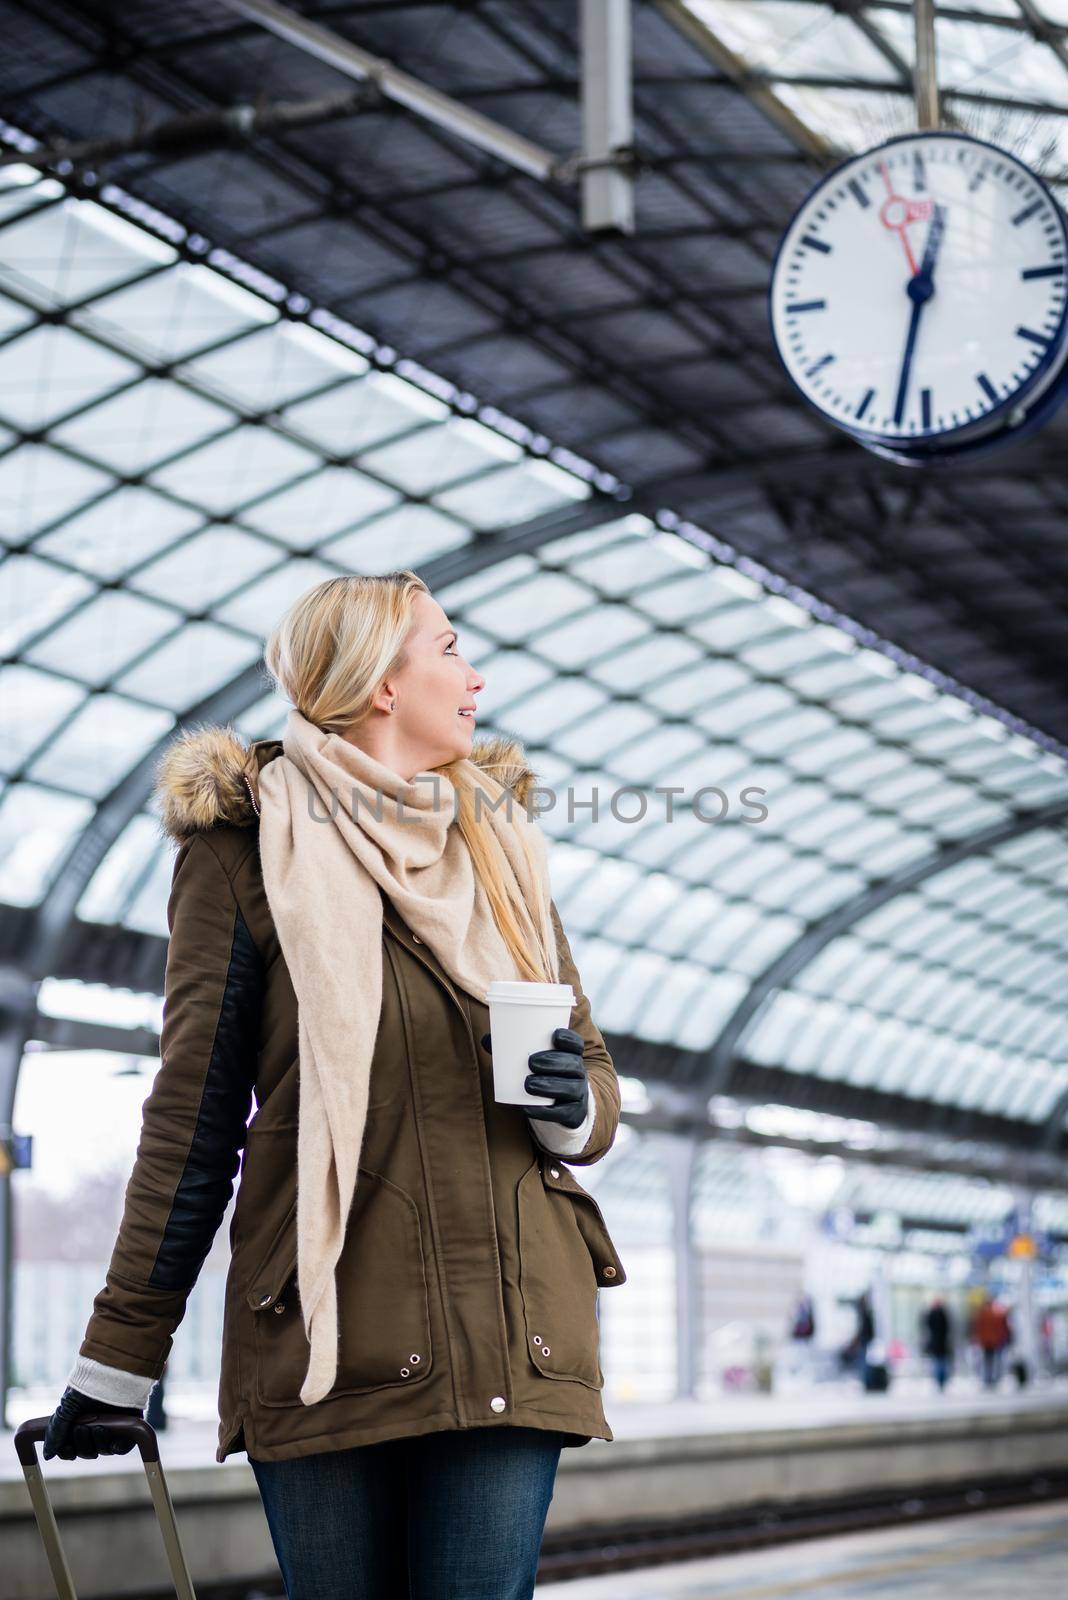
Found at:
[266, 1300]
[498, 1403]
[545, 1350]
[609, 1272]
[555, 1171]
[405, 1372]
[415, 1360]
[537, 1338]
[281, 1305]
[416, 939]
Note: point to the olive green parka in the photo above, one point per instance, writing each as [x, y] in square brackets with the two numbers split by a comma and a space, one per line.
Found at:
[468, 1282]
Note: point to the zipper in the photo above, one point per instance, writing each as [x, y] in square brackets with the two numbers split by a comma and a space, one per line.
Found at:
[434, 973]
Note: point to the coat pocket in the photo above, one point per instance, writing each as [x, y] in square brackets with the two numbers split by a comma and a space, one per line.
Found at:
[565, 1254]
[383, 1304]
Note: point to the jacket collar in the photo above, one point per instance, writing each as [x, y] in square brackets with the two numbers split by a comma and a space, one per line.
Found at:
[208, 776]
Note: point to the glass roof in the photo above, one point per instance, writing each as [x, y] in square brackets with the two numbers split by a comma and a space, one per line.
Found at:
[844, 70]
[182, 454]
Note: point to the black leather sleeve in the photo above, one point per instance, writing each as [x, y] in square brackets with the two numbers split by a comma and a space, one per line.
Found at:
[193, 1122]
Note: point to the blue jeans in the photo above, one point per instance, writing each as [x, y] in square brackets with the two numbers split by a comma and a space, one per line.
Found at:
[457, 1515]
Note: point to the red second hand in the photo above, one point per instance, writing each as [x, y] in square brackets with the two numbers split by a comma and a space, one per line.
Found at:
[896, 213]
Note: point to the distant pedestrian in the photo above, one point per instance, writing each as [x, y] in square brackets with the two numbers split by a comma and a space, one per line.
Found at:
[938, 1340]
[992, 1332]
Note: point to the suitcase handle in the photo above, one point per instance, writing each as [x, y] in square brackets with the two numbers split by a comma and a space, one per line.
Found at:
[143, 1433]
[27, 1435]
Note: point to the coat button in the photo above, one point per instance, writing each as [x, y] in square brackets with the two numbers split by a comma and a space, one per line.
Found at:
[537, 1338]
[498, 1403]
[416, 939]
[555, 1171]
[609, 1272]
[405, 1372]
[266, 1300]
[280, 1307]
[415, 1360]
[545, 1350]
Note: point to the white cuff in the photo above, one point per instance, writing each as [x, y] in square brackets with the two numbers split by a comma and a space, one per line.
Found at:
[119, 1388]
[566, 1141]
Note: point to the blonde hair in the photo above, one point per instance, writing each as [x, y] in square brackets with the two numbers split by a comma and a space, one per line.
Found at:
[328, 655]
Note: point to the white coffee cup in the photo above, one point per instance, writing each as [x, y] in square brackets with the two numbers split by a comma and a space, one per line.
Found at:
[523, 1017]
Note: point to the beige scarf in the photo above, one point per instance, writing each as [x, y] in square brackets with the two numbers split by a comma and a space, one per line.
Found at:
[336, 826]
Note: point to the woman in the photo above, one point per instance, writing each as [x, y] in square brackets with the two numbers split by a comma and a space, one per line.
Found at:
[410, 1332]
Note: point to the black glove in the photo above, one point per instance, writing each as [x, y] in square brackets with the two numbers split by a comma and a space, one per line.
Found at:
[69, 1438]
[562, 1073]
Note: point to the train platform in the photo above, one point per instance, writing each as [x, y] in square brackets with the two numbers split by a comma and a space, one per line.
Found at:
[990, 1556]
[680, 1481]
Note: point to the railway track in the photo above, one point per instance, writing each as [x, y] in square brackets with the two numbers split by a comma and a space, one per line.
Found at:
[596, 1551]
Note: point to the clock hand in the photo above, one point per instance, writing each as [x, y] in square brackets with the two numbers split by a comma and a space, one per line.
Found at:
[919, 288]
[896, 213]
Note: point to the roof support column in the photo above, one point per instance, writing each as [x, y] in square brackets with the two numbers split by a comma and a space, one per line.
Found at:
[607, 117]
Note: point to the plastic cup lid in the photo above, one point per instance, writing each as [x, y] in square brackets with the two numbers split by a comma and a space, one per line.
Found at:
[530, 993]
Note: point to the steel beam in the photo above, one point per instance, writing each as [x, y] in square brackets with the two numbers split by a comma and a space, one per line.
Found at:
[400, 87]
[784, 970]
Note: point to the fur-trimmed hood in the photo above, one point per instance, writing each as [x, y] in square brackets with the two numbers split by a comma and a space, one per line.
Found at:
[209, 775]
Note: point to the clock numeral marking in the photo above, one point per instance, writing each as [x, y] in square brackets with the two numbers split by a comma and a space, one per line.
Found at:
[1026, 213]
[865, 401]
[919, 171]
[816, 244]
[1035, 338]
[987, 387]
[858, 194]
[806, 305]
[1054, 271]
[818, 366]
[925, 407]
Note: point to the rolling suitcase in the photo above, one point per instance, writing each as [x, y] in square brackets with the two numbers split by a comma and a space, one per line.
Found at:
[26, 1437]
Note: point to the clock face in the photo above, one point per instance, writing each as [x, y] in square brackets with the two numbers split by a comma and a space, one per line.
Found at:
[919, 293]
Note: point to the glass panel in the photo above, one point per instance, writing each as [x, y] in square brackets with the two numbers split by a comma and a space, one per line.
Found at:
[39, 486]
[628, 565]
[406, 537]
[358, 415]
[515, 494]
[275, 365]
[132, 883]
[34, 595]
[258, 608]
[548, 596]
[99, 639]
[309, 512]
[658, 656]
[144, 425]
[32, 705]
[435, 457]
[171, 315]
[74, 250]
[232, 471]
[189, 665]
[13, 316]
[100, 745]
[119, 532]
[201, 569]
[592, 633]
[792, 37]
[21, 190]
[37, 828]
[50, 371]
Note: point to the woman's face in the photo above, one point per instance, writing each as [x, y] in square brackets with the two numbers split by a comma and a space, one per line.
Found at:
[430, 690]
